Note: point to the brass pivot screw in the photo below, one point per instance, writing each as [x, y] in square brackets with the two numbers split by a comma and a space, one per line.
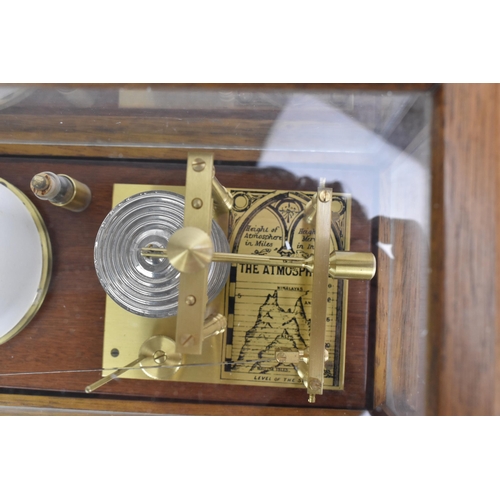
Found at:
[187, 340]
[190, 300]
[160, 357]
[314, 384]
[281, 357]
[197, 203]
[198, 165]
[324, 195]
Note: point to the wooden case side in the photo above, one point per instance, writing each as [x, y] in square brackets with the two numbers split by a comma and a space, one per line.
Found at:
[464, 371]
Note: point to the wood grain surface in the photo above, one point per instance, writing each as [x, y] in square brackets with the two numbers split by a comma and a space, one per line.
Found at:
[20, 404]
[155, 124]
[464, 349]
[399, 298]
[67, 332]
[406, 350]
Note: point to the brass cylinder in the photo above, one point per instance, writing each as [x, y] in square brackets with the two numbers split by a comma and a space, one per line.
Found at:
[80, 199]
[221, 195]
[310, 209]
[61, 190]
[353, 265]
[215, 324]
[190, 250]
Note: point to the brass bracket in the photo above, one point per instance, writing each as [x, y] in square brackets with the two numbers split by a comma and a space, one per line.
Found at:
[193, 286]
[316, 369]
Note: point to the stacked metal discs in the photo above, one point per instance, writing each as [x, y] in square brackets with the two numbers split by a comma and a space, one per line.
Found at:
[142, 285]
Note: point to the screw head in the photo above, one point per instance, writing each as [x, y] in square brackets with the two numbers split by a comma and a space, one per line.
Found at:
[280, 357]
[190, 300]
[160, 357]
[197, 203]
[198, 164]
[314, 384]
[187, 340]
[324, 195]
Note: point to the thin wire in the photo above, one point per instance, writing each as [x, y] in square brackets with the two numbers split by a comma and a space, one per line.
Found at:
[91, 370]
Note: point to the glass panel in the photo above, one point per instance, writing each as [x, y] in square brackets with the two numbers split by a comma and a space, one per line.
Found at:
[371, 148]
[198, 118]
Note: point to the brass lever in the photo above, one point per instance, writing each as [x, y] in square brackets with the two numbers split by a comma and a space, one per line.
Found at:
[343, 265]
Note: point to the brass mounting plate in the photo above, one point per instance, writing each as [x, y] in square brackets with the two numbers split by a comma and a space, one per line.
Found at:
[266, 306]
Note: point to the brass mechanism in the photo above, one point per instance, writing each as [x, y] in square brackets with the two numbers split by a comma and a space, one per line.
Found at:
[190, 251]
[189, 255]
[157, 356]
[193, 284]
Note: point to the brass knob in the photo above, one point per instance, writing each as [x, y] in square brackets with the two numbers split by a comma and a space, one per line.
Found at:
[353, 265]
[190, 250]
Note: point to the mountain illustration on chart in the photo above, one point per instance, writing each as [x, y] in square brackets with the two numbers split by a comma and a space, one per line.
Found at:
[274, 328]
